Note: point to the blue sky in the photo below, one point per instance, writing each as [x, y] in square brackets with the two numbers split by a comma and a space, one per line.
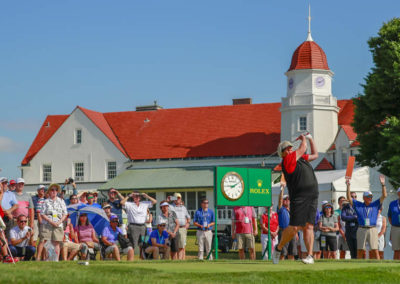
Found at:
[115, 55]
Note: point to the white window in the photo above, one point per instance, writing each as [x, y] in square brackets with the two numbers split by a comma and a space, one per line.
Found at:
[111, 170]
[302, 123]
[79, 171]
[46, 173]
[344, 157]
[78, 136]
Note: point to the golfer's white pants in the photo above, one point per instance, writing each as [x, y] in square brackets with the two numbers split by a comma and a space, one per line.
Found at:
[264, 244]
[204, 238]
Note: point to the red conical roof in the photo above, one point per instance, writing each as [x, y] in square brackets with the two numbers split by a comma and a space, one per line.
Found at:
[309, 55]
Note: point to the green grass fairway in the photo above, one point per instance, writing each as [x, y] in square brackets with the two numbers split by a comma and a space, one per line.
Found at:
[222, 271]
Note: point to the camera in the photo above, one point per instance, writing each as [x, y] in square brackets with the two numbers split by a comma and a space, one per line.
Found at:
[70, 180]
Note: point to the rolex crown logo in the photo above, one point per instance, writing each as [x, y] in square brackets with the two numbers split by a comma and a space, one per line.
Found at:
[259, 183]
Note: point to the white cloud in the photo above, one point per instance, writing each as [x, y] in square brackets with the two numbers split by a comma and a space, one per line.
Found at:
[9, 146]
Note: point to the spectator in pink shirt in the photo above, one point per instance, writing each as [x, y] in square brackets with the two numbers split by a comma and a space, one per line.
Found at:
[86, 236]
[244, 228]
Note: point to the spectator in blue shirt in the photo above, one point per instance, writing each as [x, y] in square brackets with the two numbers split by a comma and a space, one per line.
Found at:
[9, 204]
[109, 237]
[394, 220]
[90, 199]
[158, 241]
[204, 220]
[116, 207]
[349, 217]
[283, 210]
[367, 214]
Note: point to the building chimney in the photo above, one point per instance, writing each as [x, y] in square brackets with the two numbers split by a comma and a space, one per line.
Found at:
[242, 101]
[155, 106]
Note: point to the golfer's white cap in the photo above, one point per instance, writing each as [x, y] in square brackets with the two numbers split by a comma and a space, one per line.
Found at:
[367, 193]
[20, 180]
[282, 146]
[164, 204]
[41, 187]
[3, 179]
[324, 202]
[285, 196]
[161, 221]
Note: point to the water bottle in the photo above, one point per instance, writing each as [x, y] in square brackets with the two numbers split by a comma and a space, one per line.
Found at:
[51, 252]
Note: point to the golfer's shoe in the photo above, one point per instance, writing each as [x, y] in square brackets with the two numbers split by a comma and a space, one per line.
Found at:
[308, 260]
[8, 259]
[276, 255]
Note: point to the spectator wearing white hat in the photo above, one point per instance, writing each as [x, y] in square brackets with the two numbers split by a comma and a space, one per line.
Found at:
[9, 204]
[184, 222]
[171, 221]
[367, 214]
[137, 212]
[394, 220]
[289, 250]
[158, 241]
[25, 203]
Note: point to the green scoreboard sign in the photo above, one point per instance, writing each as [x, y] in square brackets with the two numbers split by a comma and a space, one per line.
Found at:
[242, 187]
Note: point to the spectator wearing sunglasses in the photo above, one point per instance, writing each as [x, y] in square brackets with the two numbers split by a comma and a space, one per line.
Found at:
[158, 241]
[73, 199]
[21, 237]
[90, 200]
[110, 240]
[328, 225]
[349, 216]
[204, 220]
[367, 213]
[53, 214]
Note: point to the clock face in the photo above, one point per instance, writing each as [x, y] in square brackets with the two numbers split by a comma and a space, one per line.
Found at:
[319, 82]
[232, 186]
[291, 83]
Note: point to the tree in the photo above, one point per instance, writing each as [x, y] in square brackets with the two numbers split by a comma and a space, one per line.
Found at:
[377, 111]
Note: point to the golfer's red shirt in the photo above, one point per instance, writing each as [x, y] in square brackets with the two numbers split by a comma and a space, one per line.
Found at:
[289, 162]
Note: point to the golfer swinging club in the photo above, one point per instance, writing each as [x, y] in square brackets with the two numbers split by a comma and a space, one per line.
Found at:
[303, 194]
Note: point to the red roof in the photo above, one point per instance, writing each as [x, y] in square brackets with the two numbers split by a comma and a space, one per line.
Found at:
[98, 119]
[355, 144]
[198, 132]
[324, 165]
[346, 112]
[309, 55]
[348, 129]
[217, 131]
[49, 127]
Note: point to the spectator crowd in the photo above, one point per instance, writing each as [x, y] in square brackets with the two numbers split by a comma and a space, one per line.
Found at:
[40, 227]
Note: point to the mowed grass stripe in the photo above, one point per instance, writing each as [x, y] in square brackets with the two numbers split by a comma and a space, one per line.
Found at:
[204, 272]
